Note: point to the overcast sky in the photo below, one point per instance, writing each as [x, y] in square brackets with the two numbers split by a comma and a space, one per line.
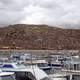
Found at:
[51, 12]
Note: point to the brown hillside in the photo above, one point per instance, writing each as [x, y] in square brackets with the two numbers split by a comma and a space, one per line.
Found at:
[39, 37]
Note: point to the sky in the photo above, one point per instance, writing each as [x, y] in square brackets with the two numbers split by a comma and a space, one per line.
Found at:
[49, 12]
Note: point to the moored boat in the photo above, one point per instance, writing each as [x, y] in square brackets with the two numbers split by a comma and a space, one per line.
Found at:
[25, 72]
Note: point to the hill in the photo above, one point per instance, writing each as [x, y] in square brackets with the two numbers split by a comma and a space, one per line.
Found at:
[32, 37]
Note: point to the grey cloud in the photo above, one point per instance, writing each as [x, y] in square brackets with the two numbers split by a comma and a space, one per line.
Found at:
[52, 12]
[14, 4]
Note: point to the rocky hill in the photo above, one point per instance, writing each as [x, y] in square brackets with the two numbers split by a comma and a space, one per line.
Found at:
[39, 37]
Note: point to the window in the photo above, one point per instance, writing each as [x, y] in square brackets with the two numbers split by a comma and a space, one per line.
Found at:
[24, 76]
[7, 66]
[76, 77]
[42, 64]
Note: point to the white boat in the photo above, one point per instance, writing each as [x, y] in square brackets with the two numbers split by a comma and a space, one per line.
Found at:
[42, 64]
[25, 72]
[7, 76]
[65, 76]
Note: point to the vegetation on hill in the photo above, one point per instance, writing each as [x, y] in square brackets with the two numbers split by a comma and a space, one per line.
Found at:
[39, 37]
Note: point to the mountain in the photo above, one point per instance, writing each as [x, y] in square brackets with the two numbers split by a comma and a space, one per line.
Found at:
[32, 37]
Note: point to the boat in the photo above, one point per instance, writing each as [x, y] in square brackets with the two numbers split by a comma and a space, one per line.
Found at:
[7, 76]
[42, 64]
[55, 61]
[65, 76]
[56, 65]
[25, 72]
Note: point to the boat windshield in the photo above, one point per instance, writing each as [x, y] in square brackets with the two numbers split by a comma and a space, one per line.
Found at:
[9, 77]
